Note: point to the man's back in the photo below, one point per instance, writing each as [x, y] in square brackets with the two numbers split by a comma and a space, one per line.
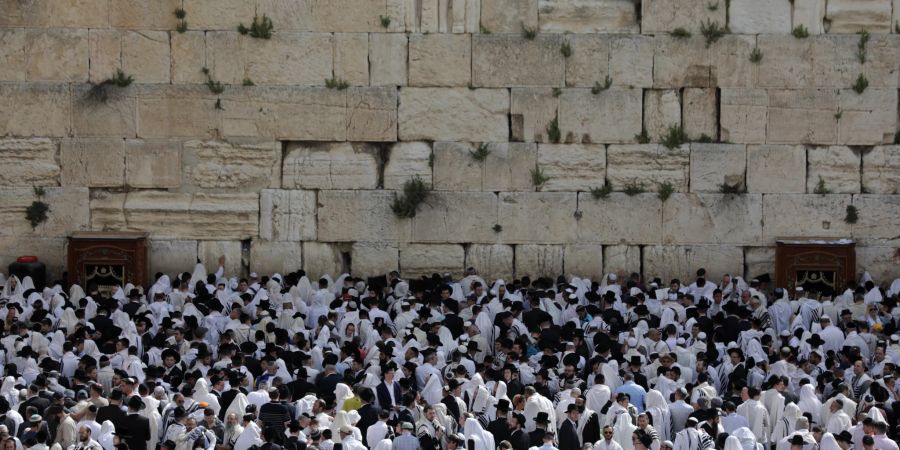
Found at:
[406, 442]
[274, 415]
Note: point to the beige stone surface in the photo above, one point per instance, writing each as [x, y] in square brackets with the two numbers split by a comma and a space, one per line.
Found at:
[105, 54]
[388, 55]
[681, 62]
[531, 111]
[351, 58]
[838, 166]
[648, 165]
[631, 60]
[287, 113]
[92, 162]
[287, 215]
[50, 251]
[539, 260]
[867, 118]
[508, 16]
[372, 114]
[500, 60]
[810, 14]
[220, 14]
[455, 169]
[881, 262]
[239, 165]
[792, 215]
[491, 260]
[589, 62]
[758, 260]
[550, 217]
[786, 63]
[836, 61]
[288, 58]
[340, 217]
[225, 57]
[175, 111]
[776, 169]
[12, 54]
[743, 115]
[584, 260]
[587, 116]
[426, 259]
[662, 109]
[508, 167]
[172, 256]
[28, 162]
[715, 164]
[330, 166]
[713, 219]
[188, 57]
[35, 110]
[57, 55]
[320, 258]
[275, 257]
[454, 114]
[54, 13]
[881, 170]
[851, 16]
[458, 217]
[210, 251]
[877, 224]
[146, 56]
[440, 59]
[663, 16]
[588, 16]
[115, 117]
[372, 259]
[700, 112]
[142, 15]
[621, 259]
[572, 167]
[407, 160]
[682, 262]
[802, 115]
[328, 15]
[67, 212]
[107, 210]
[620, 219]
[732, 66]
[153, 163]
[759, 16]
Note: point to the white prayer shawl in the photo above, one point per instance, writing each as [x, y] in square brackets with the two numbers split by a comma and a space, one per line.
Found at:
[201, 394]
[838, 422]
[658, 408]
[623, 429]
[499, 394]
[341, 393]
[433, 391]
[248, 438]
[773, 401]
[10, 292]
[477, 395]
[757, 417]
[747, 438]
[535, 404]
[611, 376]
[849, 407]
[873, 296]
[105, 439]
[483, 439]
[583, 421]
[566, 398]
[809, 403]
[597, 396]
[733, 443]
[693, 439]
[828, 442]
[9, 392]
[786, 424]
[238, 406]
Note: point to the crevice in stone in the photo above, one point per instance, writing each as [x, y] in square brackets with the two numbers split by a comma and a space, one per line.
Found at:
[514, 269]
[381, 159]
[346, 261]
[641, 262]
[245, 256]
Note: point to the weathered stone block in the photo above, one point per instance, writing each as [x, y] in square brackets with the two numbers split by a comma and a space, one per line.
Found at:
[662, 109]
[275, 257]
[455, 169]
[508, 16]
[648, 165]
[188, 57]
[589, 62]
[852, 16]
[330, 166]
[700, 112]
[142, 15]
[550, 217]
[880, 262]
[57, 55]
[220, 14]
[321, 259]
[669, 262]
[28, 162]
[713, 218]
[881, 170]
[790, 215]
[426, 259]
[388, 57]
[759, 16]
[631, 60]
[786, 63]
[154, 163]
[838, 167]
[115, 117]
[107, 210]
[531, 111]
[12, 54]
[288, 58]
[440, 59]
[508, 167]
[584, 260]
[209, 252]
[572, 167]
[67, 212]
[463, 17]
[92, 162]
[50, 251]
[239, 165]
[836, 61]
[491, 261]
[663, 16]
[776, 169]
[681, 63]
[867, 118]
[454, 114]
[179, 216]
[758, 260]
[743, 116]
[407, 160]
[350, 16]
[172, 256]
[588, 16]
[287, 113]
[585, 118]
[539, 260]
[35, 110]
[372, 114]
[287, 215]
[359, 216]
[621, 259]
[372, 259]
[877, 224]
[731, 66]
[351, 58]
[146, 55]
[802, 116]
[176, 111]
[620, 219]
[105, 54]
[457, 217]
[54, 13]
[810, 14]
[500, 60]
[225, 57]
[713, 165]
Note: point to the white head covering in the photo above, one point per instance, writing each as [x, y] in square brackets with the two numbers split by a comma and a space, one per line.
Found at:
[828, 442]
[105, 439]
[623, 430]
[733, 443]
[809, 403]
[483, 440]
[384, 444]
[238, 406]
[341, 394]
[748, 439]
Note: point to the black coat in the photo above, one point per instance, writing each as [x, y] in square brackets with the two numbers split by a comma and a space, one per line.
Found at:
[368, 415]
[136, 430]
[519, 440]
[455, 324]
[568, 436]
[500, 429]
[112, 413]
[225, 401]
[536, 437]
[384, 396]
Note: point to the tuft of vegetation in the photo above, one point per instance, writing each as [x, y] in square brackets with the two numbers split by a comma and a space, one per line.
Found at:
[705, 139]
[261, 28]
[100, 92]
[897, 138]
[665, 190]
[218, 104]
[601, 192]
[182, 26]
[634, 188]
[36, 213]
[680, 33]
[483, 29]
[180, 14]
[553, 133]
[481, 153]
[248, 82]
[214, 86]
[336, 83]
[643, 138]
[120, 79]
[385, 21]
[713, 6]
[731, 188]
[415, 192]
[431, 160]
[839, 114]
[861, 46]
[756, 55]
[598, 88]
[712, 31]
[529, 33]
[861, 84]
[557, 92]
[566, 49]
[821, 188]
[800, 32]
[538, 178]
[897, 27]
[674, 137]
[497, 228]
[852, 215]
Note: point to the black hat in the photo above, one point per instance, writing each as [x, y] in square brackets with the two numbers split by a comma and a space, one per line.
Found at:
[520, 418]
[116, 395]
[503, 405]
[135, 403]
[542, 417]
[641, 310]
[844, 436]
[171, 352]
[815, 340]
[134, 293]
[797, 440]
[453, 384]
[571, 407]
[636, 360]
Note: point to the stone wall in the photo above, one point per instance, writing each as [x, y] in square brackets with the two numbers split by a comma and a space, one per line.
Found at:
[289, 172]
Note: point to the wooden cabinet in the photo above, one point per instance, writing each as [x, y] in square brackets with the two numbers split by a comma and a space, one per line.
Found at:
[818, 265]
[106, 259]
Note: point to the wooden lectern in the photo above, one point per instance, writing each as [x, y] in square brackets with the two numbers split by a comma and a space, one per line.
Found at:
[104, 259]
[815, 264]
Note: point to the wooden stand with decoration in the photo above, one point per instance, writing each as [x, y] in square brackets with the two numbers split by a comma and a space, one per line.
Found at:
[105, 259]
[817, 265]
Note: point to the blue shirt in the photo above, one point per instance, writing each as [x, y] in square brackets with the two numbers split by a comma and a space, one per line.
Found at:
[636, 392]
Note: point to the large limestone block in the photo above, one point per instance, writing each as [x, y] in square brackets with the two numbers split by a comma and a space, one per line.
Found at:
[371, 259]
[532, 217]
[288, 58]
[388, 56]
[663, 16]
[188, 57]
[225, 57]
[275, 257]
[320, 259]
[341, 165]
[287, 215]
[146, 55]
[454, 114]
[836, 61]
[662, 109]
[491, 261]
[588, 16]
[810, 14]
[35, 110]
[54, 13]
[572, 167]
[790, 215]
[50, 251]
[351, 58]
[731, 65]
[880, 262]
[12, 54]
[500, 60]
[455, 169]
[105, 54]
[440, 59]
[153, 163]
[538, 261]
[508, 167]
[621, 259]
[143, 15]
[758, 260]
[176, 111]
[239, 165]
[700, 112]
[352, 16]
[221, 14]
[838, 167]
[681, 63]
[786, 62]
[28, 162]
[508, 16]
[288, 113]
[172, 256]
[92, 162]
[713, 218]
[715, 164]
[372, 114]
[407, 160]
[802, 116]
[877, 224]
[776, 169]
[584, 260]
[531, 111]
[427, 259]
[743, 115]
[867, 118]
[209, 252]
[759, 16]
[181, 216]
[116, 117]
[458, 217]
[67, 211]
[852, 16]
[620, 219]
[107, 210]
[589, 62]
[57, 55]
[648, 165]
[585, 118]
[359, 216]
[631, 60]
[881, 170]
[682, 262]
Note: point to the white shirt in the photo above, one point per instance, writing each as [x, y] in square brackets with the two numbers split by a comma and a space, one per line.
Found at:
[376, 433]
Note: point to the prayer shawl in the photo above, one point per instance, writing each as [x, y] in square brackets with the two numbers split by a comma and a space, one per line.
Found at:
[785, 425]
[809, 403]
[747, 438]
[658, 409]
[623, 430]
[693, 439]
[773, 401]
[535, 404]
[757, 417]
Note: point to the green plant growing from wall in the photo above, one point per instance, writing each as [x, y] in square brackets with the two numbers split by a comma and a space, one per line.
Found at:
[800, 32]
[415, 192]
[538, 177]
[483, 29]
[566, 49]
[602, 191]
[598, 88]
[643, 137]
[756, 55]
[214, 86]
[529, 33]
[248, 82]
[861, 84]
[557, 92]
[680, 33]
[712, 31]
[704, 139]
[553, 132]
[481, 153]
[731, 188]
[665, 190]
[218, 104]
[852, 215]
[100, 92]
[821, 188]
[36, 213]
[261, 28]
[634, 188]
[674, 137]
[861, 46]
[336, 83]
[839, 114]
[180, 14]
[497, 228]
[713, 6]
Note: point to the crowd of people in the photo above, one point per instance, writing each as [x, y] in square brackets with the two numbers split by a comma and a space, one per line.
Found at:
[201, 360]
